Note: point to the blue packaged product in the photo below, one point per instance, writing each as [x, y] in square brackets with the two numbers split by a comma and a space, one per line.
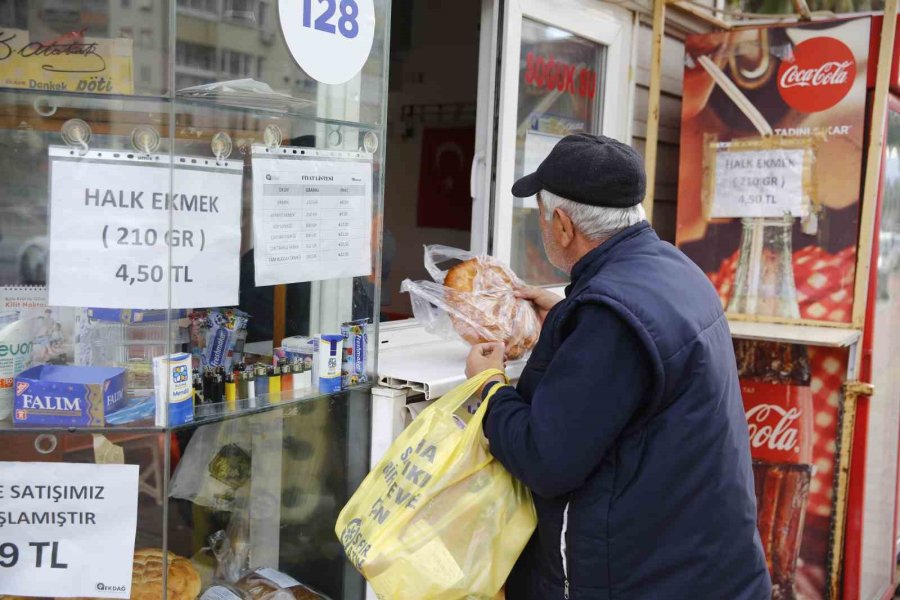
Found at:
[174, 389]
[134, 315]
[134, 410]
[355, 342]
[226, 330]
[68, 396]
[330, 346]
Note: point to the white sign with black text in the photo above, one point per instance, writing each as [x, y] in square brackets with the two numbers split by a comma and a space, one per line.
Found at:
[537, 147]
[115, 217]
[760, 183]
[67, 530]
[312, 214]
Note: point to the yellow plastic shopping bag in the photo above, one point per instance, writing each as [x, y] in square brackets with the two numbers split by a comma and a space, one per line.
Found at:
[438, 518]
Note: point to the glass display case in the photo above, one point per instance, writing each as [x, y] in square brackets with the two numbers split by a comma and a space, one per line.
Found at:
[190, 230]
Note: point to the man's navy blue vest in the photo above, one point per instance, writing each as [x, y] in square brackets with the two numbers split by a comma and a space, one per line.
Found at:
[670, 513]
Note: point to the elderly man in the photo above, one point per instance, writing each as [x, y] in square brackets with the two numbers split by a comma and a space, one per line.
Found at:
[627, 422]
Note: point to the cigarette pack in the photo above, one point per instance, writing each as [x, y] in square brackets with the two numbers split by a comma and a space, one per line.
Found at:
[353, 362]
[68, 396]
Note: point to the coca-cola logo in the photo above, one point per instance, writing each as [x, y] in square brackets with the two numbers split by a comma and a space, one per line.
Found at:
[782, 435]
[819, 76]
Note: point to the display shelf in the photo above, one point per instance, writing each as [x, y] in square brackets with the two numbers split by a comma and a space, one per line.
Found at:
[202, 106]
[203, 415]
[829, 337]
[91, 101]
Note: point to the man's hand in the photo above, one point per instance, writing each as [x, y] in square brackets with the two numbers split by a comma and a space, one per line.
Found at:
[483, 357]
[541, 298]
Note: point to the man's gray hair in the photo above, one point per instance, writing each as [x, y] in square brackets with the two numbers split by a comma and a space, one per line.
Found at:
[597, 223]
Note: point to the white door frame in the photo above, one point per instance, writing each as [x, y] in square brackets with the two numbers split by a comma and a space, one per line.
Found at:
[481, 184]
[605, 24]
[593, 20]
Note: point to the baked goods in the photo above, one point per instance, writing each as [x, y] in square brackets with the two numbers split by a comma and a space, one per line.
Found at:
[269, 584]
[474, 299]
[485, 309]
[147, 574]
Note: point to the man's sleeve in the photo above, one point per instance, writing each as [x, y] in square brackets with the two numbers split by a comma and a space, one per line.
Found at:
[595, 382]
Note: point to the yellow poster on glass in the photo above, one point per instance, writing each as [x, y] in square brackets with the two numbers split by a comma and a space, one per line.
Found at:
[72, 63]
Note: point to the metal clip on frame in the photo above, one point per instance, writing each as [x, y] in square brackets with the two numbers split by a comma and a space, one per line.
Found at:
[221, 146]
[145, 139]
[272, 136]
[76, 134]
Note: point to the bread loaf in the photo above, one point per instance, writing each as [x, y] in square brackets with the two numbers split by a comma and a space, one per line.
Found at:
[259, 586]
[485, 309]
[147, 575]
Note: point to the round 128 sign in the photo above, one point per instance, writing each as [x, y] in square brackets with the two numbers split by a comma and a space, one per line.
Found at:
[329, 39]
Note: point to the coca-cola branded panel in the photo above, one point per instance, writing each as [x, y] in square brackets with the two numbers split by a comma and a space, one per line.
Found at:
[773, 121]
[792, 398]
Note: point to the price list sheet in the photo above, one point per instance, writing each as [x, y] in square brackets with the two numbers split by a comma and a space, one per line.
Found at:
[312, 214]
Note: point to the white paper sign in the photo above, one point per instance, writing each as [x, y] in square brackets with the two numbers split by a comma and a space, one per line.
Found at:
[537, 147]
[759, 183]
[110, 231]
[312, 214]
[329, 39]
[66, 529]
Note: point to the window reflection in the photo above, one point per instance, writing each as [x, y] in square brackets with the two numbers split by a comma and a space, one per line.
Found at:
[560, 92]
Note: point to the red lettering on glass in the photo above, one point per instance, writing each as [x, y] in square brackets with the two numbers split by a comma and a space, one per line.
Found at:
[551, 74]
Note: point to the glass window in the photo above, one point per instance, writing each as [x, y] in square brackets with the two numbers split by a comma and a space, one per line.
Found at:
[194, 56]
[209, 7]
[560, 92]
[146, 39]
[245, 11]
[256, 50]
[262, 12]
[58, 131]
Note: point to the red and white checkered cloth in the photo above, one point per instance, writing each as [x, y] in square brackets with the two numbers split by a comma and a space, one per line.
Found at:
[824, 292]
[824, 282]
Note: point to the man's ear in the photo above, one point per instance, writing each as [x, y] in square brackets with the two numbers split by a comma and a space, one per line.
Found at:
[563, 228]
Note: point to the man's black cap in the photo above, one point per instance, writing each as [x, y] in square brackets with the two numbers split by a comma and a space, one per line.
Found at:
[589, 169]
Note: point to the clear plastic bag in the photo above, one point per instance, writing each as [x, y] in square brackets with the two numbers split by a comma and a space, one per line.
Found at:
[486, 310]
[231, 547]
[215, 466]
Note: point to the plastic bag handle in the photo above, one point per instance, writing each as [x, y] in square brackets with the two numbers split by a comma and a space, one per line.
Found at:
[438, 253]
[455, 398]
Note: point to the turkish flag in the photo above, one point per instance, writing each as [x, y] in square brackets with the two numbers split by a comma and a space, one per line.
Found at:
[444, 194]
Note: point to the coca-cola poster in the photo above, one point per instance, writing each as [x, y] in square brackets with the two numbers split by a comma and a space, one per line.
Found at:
[773, 122]
[792, 401]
